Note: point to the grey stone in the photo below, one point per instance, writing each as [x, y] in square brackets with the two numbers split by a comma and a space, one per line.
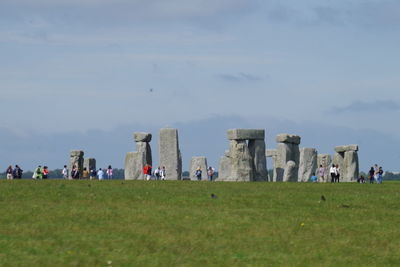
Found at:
[142, 137]
[89, 164]
[269, 153]
[340, 149]
[286, 152]
[170, 155]
[352, 166]
[224, 168]
[288, 138]
[146, 149]
[76, 159]
[246, 134]
[257, 152]
[241, 162]
[308, 164]
[195, 163]
[291, 170]
[134, 163]
[326, 161]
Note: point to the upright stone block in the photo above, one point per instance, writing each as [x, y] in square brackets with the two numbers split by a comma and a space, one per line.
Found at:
[89, 164]
[76, 159]
[352, 166]
[242, 162]
[308, 164]
[224, 168]
[257, 152]
[272, 153]
[326, 161]
[291, 171]
[287, 152]
[195, 163]
[134, 163]
[145, 148]
[170, 155]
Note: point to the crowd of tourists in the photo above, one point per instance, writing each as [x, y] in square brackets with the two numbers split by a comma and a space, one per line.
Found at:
[14, 173]
[160, 173]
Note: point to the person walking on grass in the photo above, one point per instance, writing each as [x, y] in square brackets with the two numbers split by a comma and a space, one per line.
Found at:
[75, 172]
[45, 172]
[337, 176]
[38, 174]
[321, 174]
[163, 174]
[93, 174]
[376, 173]
[85, 174]
[65, 172]
[157, 173]
[109, 172]
[198, 174]
[100, 174]
[332, 172]
[371, 175]
[9, 173]
[210, 173]
[17, 173]
[380, 175]
[147, 172]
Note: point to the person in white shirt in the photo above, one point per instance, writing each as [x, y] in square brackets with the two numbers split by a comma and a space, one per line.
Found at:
[100, 174]
[65, 172]
[162, 173]
[332, 171]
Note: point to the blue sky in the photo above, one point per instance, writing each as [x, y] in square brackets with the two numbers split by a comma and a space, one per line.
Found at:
[69, 68]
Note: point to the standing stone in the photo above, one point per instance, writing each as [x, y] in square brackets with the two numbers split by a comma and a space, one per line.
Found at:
[352, 167]
[134, 162]
[257, 152]
[89, 164]
[241, 162]
[287, 150]
[291, 171]
[170, 155]
[195, 163]
[308, 164]
[326, 161]
[76, 159]
[224, 168]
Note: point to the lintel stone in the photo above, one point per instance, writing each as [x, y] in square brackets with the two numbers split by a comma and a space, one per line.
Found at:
[288, 138]
[246, 134]
[341, 149]
[142, 137]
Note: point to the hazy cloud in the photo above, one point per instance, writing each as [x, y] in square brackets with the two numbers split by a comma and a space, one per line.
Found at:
[360, 106]
[240, 77]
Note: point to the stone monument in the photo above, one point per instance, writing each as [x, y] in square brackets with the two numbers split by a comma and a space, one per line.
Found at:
[308, 164]
[135, 161]
[347, 158]
[76, 159]
[170, 154]
[195, 163]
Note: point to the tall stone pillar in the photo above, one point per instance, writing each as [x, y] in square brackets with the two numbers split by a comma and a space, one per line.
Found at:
[308, 164]
[257, 152]
[241, 162]
[89, 164]
[224, 168]
[326, 161]
[170, 154]
[347, 158]
[135, 161]
[76, 159]
[287, 150]
[195, 163]
[272, 153]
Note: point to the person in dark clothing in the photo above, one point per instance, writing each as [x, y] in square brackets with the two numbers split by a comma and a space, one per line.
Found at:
[371, 174]
[17, 173]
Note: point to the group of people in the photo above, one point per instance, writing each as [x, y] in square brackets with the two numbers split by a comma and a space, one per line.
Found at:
[210, 173]
[375, 174]
[14, 173]
[91, 174]
[158, 173]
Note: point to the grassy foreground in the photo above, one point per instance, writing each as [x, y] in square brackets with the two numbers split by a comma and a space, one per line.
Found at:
[125, 223]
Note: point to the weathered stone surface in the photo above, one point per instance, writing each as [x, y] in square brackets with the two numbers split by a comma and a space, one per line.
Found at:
[146, 149]
[285, 153]
[288, 138]
[195, 163]
[89, 164]
[76, 158]
[134, 163]
[308, 164]
[270, 153]
[224, 169]
[241, 162]
[142, 137]
[246, 134]
[170, 155]
[257, 152]
[352, 166]
[326, 161]
[290, 173]
[340, 149]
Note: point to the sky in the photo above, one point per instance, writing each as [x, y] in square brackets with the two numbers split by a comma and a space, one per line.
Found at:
[88, 73]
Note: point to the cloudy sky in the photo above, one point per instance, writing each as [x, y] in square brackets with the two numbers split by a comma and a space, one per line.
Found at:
[74, 68]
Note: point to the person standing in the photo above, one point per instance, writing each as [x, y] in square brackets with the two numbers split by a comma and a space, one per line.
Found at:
[210, 173]
[17, 172]
[337, 176]
[332, 172]
[65, 172]
[109, 172]
[198, 174]
[45, 172]
[75, 172]
[321, 174]
[38, 173]
[100, 174]
[163, 174]
[9, 173]
[157, 173]
[376, 173]
[380, 175]
[93, 173]
[371, 175]
[313, 178]
[147, 172]
[85, 174]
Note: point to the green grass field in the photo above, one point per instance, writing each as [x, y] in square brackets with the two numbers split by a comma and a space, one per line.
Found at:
[164, 223]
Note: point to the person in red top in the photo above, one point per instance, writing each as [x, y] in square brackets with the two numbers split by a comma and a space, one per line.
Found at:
[45, 172]
[147, 172]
